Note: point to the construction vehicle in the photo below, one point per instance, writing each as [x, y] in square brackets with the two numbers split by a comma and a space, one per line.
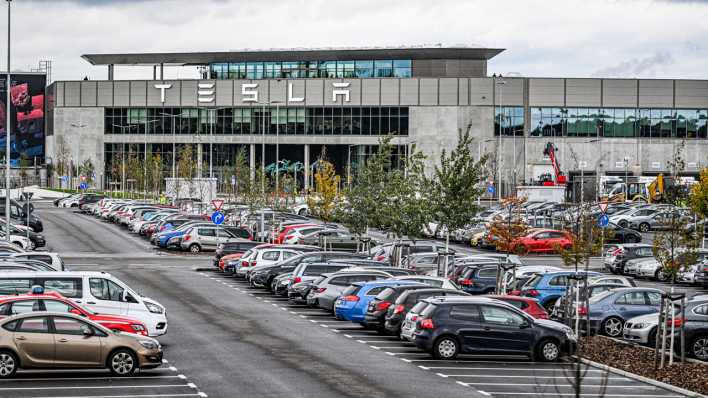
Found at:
[646, 190]
[558, 178]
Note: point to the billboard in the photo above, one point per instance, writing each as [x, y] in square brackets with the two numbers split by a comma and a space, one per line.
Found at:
[26, 118]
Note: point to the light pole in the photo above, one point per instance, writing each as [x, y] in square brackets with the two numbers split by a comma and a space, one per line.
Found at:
[145, 155]
[499, 83]
[581, 164]
[8, 131]
[479, 157]
[626, 178]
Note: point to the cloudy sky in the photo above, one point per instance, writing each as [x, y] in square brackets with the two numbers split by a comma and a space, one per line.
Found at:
[574, 38]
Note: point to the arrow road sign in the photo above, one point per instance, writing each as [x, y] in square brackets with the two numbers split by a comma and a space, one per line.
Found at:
[217, 217]
[490, 188]
[83, 185]
[217, 203]
[603, 221]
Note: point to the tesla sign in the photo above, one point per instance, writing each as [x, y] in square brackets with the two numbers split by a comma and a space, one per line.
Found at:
[206, 92]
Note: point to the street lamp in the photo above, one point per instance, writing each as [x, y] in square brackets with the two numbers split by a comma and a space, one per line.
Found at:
[499, 83]
[479, 157]
[8, 131]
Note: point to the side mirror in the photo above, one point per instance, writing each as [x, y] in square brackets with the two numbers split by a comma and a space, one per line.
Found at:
[525, 325]
[87, 331]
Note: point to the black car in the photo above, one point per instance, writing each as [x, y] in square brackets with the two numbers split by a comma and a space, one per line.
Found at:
[450, 326]
[617, 258]
[375, 317]
[696, 328]
[264, 276]
[616, 234]
[397, 312]
[227, 248]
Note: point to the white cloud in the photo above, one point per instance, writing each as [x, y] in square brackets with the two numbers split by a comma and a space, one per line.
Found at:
[542, 37]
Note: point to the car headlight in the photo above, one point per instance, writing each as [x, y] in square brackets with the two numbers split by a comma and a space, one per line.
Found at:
[639, 326]
[284, 282]
[154, 308]
[150, 345]
[569, 333]
[137, 327]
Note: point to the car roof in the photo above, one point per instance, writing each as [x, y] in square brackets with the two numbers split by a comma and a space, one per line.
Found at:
[634, 289]
[461, 299]
[385, 282]
[55, 274]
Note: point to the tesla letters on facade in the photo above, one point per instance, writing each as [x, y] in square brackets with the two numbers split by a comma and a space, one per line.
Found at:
[206, 92]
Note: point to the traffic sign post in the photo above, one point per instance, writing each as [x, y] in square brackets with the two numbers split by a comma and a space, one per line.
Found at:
[217, 203]
[217, 217]
[603, 221]
[603, 207]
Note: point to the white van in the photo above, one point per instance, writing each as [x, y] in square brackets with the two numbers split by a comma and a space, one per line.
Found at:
[98, 291]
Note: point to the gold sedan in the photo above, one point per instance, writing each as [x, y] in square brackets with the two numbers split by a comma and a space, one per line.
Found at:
[61, 340]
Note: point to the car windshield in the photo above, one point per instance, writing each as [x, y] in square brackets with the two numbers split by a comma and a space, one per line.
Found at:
[351, 290]
[531, 283]
[386, 294]
[418, 307]
[428, 310]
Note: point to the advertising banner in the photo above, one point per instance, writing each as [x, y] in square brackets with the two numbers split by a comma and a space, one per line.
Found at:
[26, 118]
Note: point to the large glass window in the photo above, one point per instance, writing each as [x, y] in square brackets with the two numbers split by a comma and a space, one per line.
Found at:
[311, 69]
[512, 120]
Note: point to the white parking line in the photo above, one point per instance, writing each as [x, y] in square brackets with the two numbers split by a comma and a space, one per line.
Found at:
[648, 387]
[543, 377]
[91, 387]
[199, 394]
[556, 394]
[107, 378]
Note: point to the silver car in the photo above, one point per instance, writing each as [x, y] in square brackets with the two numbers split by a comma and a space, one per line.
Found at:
[632, 266]
[641, 329]
[329, 289]
[651, 222]
[204, 237]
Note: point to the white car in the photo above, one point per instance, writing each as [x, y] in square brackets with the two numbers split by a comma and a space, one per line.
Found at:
[263, 256]
[21, 241]
[294, 235]
[632, 266]
[650, 269]
[52, 259]
[301, 209]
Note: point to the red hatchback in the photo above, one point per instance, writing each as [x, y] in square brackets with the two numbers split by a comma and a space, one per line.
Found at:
[286, 230]
[526, 304]
[55, 302]
[542, 241]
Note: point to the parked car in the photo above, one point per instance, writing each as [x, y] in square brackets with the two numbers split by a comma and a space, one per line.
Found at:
[200, 238]
[65, 340]
[696, 328]
[480, 325]
[334, 239]
[230, 263]
[542, 241]
[396, 313]
[375, 315]
[525, 304]
[559, 308]
[326, 291]
[652, 222]
[608, 311]
[353, 303]
[305, 277]
[51, 259]
[433, 281]
[55, 302]
[641, 329]
[232, 247]
[615, 260]
[263, 275]
[479, 280]
[613, 233]
[622, 218]
[549, 287]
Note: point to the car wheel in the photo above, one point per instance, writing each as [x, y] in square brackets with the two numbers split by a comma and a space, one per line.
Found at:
[623, 223]
[8, 364]
[651, 340]
[194, 248]
[644, 227]
[612, 326]
[548, 351]
[302, 212]
[446, 348]
[699, 348]
[660, 276]
[18, 244]
[122, 363]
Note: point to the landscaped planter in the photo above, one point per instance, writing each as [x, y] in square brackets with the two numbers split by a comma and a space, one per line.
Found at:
[640, 361]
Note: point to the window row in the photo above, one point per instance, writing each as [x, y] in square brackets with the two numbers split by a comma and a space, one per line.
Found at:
[311, 121]
[619, 122]
[511, 120]
[310, 69]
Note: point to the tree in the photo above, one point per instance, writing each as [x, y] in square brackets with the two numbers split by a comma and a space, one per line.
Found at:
[698, 199]
[241, 172]
[408, 208]
[186, 170]
[321, 200]
[368, 191]
[63, 159]
[155, 173]
[455, 186]
[508, 227]
[87, 169]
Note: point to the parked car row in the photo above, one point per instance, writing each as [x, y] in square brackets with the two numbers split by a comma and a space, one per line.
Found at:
[370, 291]
[638, 260]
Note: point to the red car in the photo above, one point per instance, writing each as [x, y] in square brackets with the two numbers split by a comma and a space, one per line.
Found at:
[55, 302]
[224, 267]
[526, 304]
[542, 241]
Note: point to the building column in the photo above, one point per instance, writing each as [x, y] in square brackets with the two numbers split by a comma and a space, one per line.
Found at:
[252, 161]
[162, 71]
[307, 167]
[111, 67]
[154, 72]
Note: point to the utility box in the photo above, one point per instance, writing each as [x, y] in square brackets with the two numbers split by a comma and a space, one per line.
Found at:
[542, 193]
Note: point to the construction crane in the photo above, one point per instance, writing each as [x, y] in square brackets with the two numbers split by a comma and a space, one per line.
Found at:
[558, 178]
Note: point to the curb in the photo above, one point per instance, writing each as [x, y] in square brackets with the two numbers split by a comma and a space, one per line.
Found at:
[643, 379]
[204, 269]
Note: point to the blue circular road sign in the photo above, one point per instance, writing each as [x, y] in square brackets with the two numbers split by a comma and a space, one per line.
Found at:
[217, 217]
[83, 185]
[490, 188]
[603, 221]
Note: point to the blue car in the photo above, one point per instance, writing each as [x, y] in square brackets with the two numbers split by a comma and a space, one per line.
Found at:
[354, 301]
[609, 310]
[164, 236]
[549, 287]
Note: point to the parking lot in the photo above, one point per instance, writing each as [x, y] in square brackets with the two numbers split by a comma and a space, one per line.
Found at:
[165, 381]
[489, 376]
